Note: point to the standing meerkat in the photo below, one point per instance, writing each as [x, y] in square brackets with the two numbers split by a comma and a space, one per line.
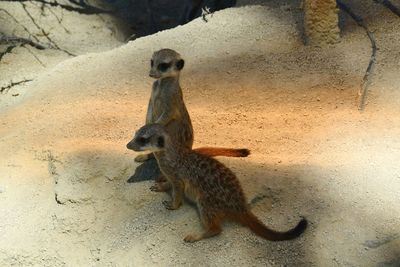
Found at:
[166, 105]
[207, 182]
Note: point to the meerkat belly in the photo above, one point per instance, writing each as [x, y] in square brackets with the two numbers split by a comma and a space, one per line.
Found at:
[191, 192]
[157, 109]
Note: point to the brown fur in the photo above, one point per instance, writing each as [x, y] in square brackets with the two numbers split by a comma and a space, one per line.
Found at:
[207, 182]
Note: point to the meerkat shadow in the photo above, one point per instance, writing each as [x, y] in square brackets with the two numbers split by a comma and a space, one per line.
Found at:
[148, 170]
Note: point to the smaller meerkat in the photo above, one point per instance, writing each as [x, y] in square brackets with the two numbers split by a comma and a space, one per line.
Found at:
[211, 185]
[167, 107]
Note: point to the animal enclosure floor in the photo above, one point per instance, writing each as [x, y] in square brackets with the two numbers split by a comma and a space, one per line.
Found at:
[248, 82]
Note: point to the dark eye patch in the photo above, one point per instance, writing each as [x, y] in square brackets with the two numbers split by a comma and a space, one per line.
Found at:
[142, 141]
[163, 66]
[160, 142]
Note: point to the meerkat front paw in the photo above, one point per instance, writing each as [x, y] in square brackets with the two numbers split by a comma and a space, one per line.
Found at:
[191, 238]
[169, 205]
[157, 188]
[160, 187]
[142, 158]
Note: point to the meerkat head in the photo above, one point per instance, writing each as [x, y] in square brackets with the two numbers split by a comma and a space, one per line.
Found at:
[165, 63]
[150, 137]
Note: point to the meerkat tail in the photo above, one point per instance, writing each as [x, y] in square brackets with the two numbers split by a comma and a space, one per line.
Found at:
[256, 226]
[220, 151]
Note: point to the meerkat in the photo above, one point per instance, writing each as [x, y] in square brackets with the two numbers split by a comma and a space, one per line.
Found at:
[207, 182]
[166, 105]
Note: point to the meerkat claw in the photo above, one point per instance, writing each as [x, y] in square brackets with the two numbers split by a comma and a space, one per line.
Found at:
[154, 188]
[191, 238]
[167, 204]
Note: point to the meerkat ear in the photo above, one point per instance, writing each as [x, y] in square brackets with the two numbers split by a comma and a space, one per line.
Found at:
[180, 64]
[160, 142]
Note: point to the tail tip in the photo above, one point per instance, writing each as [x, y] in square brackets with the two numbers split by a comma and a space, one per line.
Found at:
[302, 226]
[244, 152]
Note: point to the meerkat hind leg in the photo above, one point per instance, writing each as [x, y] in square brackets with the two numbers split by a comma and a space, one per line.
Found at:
[213, 228]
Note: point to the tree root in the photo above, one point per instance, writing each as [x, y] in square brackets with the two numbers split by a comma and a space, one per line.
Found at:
[366, 81]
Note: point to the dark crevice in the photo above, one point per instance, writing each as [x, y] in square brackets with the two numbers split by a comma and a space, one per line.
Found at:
[84, 9]
[366, 81]
[12, 84]
[149, 9]
[389, 5]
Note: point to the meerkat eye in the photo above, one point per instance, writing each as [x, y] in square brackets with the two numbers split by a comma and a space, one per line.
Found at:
[164, 67]
[160, 142]
[151, 63]
[180, 64]
[142, 140]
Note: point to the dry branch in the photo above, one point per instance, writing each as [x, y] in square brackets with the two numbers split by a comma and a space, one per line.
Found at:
[20, 24]
[365, 82]
[54, 44]
[12, 84]
[14, 39]
[83, 9]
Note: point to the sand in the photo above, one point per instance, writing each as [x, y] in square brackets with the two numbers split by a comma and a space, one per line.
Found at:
[248, 82]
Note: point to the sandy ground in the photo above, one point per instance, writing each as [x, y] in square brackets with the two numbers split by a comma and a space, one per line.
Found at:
[248, 82]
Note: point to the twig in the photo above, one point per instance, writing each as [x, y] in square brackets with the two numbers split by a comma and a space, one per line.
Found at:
[365, 82]
[204, 12]
[36, 57]
[43, 32]
[42, 8]
[86, 9]
[389, 5]
[12, 84]
[16, 21]
[22, 40]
